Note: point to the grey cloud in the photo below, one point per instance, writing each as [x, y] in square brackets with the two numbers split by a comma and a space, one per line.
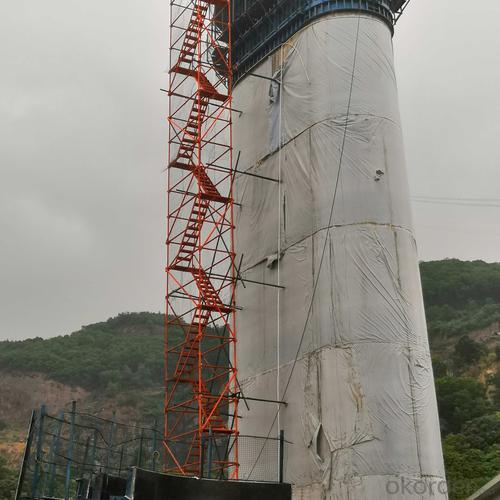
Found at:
[83, 144]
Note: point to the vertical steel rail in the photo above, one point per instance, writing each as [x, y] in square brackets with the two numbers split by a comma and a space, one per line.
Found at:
[209, 453]
[39, 452]
[121, 463]
[282, 456]
[93, 452]
[54, 453]
[69, 460]
[202, 460]
[110, 443]
[141, 444]
[84, 464]
[26, 456]
[154, 454]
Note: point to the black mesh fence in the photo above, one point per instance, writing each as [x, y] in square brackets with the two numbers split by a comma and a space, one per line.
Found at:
[262, 458]
[65, 448]
[259, 458]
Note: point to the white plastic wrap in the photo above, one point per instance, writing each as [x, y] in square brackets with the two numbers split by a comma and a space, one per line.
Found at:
[361, 408]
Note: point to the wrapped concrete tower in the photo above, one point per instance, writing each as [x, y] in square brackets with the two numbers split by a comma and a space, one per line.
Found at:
[338, 330]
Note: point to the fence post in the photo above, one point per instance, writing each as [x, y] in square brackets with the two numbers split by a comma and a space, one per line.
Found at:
[26, 456]
[70, 451]
[209, 451]
[282, 454]
[39, 452]
[154, 444]
[202, 458]
[84, 464]
[121, 463]
[93, 452]
[54, 452]
[141, 442]
[110, 443]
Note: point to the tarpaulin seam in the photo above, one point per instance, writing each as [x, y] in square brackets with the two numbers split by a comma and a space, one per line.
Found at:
[328, 228]
[332, 118]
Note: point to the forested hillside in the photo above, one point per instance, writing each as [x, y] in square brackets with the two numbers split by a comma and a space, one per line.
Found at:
[120, 362]
[462, 302]
[460, 297]
[125, 352]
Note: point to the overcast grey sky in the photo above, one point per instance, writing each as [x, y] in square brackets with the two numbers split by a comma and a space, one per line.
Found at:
[83, 145]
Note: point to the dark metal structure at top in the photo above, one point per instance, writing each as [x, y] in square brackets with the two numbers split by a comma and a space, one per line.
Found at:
[260, 26]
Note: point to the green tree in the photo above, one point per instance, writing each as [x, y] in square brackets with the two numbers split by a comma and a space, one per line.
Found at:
[460, 399]
[467, 352]
[455, 283]
[121, 353]
[468, 468]
[460, 297]
[483, 432]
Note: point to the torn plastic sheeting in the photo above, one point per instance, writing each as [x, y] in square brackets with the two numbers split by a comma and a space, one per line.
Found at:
[369, 426]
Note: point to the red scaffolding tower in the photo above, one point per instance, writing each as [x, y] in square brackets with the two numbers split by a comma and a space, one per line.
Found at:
[201, 404]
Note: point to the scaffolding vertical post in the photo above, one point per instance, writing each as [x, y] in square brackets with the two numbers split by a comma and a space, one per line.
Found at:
[26, 456]
[200, 347]
[67, 484]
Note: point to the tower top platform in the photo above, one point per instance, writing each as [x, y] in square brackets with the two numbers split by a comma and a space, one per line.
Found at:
[260, 26]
